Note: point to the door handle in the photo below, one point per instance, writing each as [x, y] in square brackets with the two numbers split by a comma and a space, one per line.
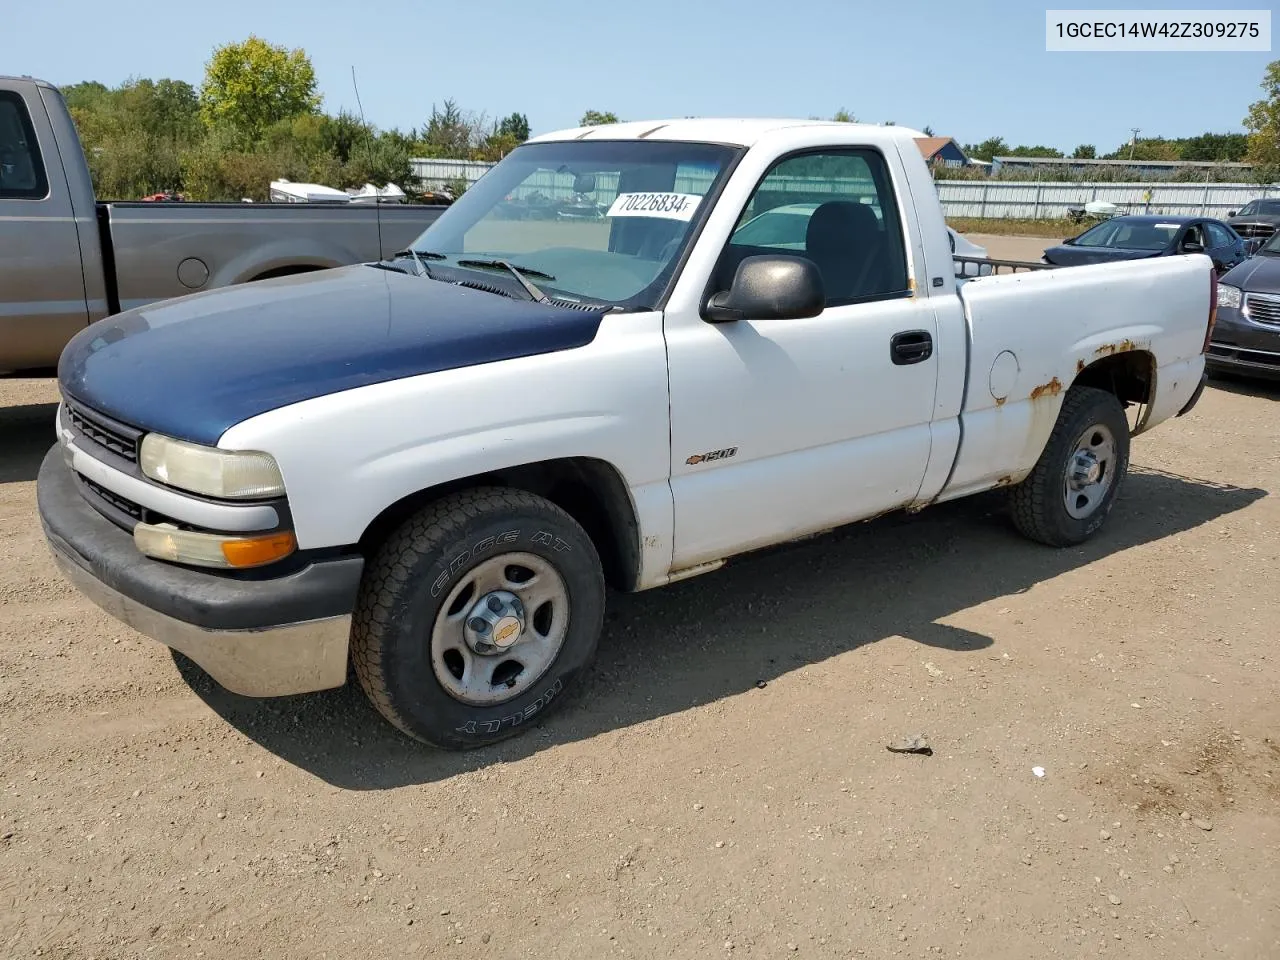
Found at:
[910, 346]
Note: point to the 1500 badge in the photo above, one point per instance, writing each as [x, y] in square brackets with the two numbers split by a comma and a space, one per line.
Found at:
[724, 454]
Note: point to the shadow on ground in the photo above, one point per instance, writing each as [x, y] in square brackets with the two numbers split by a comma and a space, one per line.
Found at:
[670, 649]
[1259, 387]
[26, 434]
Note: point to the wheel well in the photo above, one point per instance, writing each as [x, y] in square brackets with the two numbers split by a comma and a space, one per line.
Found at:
[591, 491]
[286, 271]
[1129, 375]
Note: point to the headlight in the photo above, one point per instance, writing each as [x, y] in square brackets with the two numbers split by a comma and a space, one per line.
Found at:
[1228, 296]
[233, 475]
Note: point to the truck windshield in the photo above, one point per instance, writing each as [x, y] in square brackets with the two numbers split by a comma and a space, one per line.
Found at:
[1254, 208]
[603, 222]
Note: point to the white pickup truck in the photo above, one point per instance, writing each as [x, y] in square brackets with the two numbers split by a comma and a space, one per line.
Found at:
[434, 465]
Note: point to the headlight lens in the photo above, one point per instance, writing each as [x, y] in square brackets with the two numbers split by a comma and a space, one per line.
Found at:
[233, 475]
[1228, 296]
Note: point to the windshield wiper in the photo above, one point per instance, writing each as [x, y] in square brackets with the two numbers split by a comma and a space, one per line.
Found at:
[517, 272]
[418, 257]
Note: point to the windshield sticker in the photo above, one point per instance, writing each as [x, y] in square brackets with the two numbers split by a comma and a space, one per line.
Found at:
[671, 206]
[1168, 226]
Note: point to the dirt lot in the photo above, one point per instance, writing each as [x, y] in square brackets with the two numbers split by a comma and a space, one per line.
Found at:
[722, 787]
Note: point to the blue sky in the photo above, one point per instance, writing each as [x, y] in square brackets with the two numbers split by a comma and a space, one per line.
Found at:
[967, 68]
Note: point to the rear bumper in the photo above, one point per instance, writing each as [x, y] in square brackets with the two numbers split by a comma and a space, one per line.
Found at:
[258, 638]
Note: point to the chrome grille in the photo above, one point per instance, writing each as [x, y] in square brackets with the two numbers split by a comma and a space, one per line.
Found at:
[1262, 308]
[1251, 230]
[111, 435]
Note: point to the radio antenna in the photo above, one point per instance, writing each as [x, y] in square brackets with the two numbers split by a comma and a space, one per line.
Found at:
[368, 143]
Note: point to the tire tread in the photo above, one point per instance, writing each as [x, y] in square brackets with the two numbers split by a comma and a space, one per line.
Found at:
[390, 571]
[1030, 500]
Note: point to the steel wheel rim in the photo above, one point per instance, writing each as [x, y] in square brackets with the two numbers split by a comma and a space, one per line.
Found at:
[1091, 471]
[463, 666]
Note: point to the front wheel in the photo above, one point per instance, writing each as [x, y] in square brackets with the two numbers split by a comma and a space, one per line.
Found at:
[1070, 492]
[476, 616]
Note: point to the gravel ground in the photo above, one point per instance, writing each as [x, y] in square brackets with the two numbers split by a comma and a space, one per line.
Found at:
[721, 787]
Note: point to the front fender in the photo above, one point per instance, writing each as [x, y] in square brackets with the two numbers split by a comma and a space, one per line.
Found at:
[348, 456]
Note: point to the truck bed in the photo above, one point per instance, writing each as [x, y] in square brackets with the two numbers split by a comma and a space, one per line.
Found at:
[162, 250]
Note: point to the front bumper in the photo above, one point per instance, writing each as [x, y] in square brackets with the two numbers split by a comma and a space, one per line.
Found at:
[1242, 345]
[255, 637]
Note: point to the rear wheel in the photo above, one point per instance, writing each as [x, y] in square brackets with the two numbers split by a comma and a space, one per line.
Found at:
[1070, 492]
[476, 617]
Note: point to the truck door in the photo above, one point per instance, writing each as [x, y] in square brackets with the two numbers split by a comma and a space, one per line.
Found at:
[785, 427]
[42, 295]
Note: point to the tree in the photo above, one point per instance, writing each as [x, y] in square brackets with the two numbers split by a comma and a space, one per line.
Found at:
[449, 133]
[927, 131]
[843, 116]
[987, 149]
[1086, 151]
[1147, 148]
[594, 118]
[252, 85]
[1039, 150]
[1215, 147]
[1263, 123]
[515, 126]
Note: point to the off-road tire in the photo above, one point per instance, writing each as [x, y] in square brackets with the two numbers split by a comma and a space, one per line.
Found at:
[408, 580]
[1037, 503]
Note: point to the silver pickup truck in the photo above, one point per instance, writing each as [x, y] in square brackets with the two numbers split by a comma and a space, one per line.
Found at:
[67, 260]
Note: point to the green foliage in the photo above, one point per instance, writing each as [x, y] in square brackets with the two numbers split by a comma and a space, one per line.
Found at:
[1086, 151]
[843, 116]
[1263, 122]
[514, 126]
[251, 85]
[987, 149]
[594, 118]
[1215, 147]
[134, 135]
[1036, 151]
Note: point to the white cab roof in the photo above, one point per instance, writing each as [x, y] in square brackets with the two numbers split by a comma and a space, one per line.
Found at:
[740, 131]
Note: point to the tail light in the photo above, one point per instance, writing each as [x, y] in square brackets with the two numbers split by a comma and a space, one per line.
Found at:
[1213, 308]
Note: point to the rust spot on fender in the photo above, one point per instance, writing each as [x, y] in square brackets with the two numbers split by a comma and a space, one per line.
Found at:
[1005, 481]
[1080, 366]
[1107, 349]
[1000, 401]
[1050, 389]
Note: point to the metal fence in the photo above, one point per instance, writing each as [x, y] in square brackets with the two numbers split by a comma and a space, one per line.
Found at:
[1035, 201]
[1023, 200]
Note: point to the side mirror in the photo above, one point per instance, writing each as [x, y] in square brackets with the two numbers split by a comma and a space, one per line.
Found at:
[584, 183]
[1231, 213]
[1190, 246]
[769, 288]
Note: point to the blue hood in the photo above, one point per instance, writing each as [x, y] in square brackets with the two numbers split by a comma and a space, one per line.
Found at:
[194, 366]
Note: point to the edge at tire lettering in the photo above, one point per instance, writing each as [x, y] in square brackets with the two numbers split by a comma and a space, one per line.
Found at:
[493, 726]
[469, 553]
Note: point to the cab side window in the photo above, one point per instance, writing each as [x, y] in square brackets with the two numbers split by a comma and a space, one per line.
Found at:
[1218, 236]
[22, 174]
[835, 208]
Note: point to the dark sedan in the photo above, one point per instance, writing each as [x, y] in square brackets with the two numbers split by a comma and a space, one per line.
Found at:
[1137, 237]
[1246, 336]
